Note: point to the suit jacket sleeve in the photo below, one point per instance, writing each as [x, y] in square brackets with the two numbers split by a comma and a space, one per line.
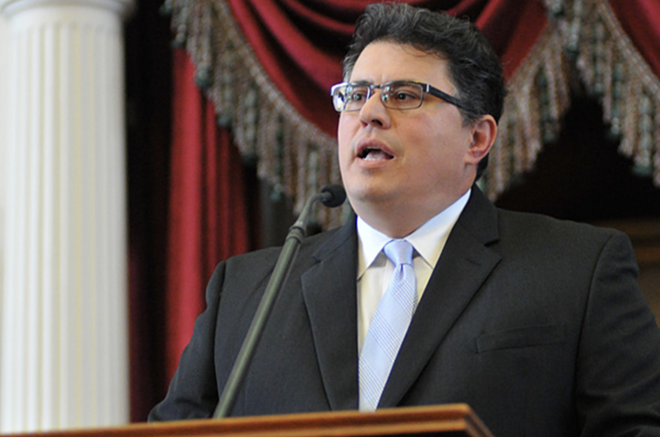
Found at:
[618, 368]
[193, 392]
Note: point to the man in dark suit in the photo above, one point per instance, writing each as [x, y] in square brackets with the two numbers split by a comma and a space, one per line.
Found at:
[536, 323]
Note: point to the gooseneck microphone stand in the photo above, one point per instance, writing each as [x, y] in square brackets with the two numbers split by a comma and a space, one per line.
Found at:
[331, 196]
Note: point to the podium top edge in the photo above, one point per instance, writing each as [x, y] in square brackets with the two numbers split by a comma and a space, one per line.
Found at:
[434, 418]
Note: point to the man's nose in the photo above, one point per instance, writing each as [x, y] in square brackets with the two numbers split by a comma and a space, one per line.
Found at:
[374, 111]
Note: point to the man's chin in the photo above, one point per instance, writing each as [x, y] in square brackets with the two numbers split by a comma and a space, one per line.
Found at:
[370, 196]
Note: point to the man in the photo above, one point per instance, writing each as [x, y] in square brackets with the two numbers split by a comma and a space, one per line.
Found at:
[537, 324]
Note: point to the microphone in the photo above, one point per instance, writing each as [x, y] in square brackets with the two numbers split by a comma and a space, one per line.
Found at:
[333, 195]
[330, 196]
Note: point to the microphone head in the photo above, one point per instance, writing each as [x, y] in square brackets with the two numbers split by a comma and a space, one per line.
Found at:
[334, 195]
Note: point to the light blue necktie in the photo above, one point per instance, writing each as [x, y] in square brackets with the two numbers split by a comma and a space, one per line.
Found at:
[388, 326]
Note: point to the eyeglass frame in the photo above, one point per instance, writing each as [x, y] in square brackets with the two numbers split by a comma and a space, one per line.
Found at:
[426, 88]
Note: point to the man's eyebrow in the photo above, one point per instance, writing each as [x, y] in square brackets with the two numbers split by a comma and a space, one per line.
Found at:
[368, 82]
[360, 82]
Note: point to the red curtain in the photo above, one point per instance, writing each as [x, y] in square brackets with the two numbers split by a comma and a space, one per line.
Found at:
[640, 20]
[208, 206]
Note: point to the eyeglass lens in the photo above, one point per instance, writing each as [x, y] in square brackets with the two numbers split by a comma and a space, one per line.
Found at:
[398, 95]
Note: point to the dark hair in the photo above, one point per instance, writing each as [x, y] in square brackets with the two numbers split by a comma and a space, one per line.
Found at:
[473, 65]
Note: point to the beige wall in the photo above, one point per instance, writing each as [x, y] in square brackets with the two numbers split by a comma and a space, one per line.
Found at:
[645, 236]
[650, 282]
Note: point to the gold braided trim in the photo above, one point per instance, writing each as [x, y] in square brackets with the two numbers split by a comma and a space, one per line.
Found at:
[614, 71]
[584, 34]
[538, 98]
[290, 152]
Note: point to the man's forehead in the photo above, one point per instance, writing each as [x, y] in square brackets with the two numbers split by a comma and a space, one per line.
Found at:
[383, 61]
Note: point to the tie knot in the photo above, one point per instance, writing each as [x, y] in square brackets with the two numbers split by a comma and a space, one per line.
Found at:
[399, 252]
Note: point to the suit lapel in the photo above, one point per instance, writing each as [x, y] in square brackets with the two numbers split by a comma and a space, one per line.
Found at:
[329, 290]
[461, 270]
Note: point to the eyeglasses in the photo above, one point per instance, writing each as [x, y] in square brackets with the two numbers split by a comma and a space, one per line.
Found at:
[398, 94]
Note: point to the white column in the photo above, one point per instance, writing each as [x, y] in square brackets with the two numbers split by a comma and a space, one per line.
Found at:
[64, 345]
[4, 88]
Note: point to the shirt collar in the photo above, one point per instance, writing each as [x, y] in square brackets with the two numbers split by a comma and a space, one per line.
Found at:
[428, 240]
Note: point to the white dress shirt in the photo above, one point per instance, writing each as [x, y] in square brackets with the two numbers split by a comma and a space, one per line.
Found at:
[375, 269]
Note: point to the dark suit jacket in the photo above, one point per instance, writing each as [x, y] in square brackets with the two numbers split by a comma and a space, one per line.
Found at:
[537, 324]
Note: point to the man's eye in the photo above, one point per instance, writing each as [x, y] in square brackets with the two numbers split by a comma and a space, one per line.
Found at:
[405, 94]
[356, 95]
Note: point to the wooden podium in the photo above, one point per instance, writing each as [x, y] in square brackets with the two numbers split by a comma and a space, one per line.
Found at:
[444, 420]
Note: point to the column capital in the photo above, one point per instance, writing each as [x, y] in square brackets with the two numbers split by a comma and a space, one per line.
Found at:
[121, 7]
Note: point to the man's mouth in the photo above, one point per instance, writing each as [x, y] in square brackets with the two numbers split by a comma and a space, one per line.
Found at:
[374, 154]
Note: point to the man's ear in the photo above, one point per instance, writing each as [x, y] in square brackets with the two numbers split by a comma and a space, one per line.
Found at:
[484, 132]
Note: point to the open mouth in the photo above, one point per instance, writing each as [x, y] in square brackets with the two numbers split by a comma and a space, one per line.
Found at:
[374, 154]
